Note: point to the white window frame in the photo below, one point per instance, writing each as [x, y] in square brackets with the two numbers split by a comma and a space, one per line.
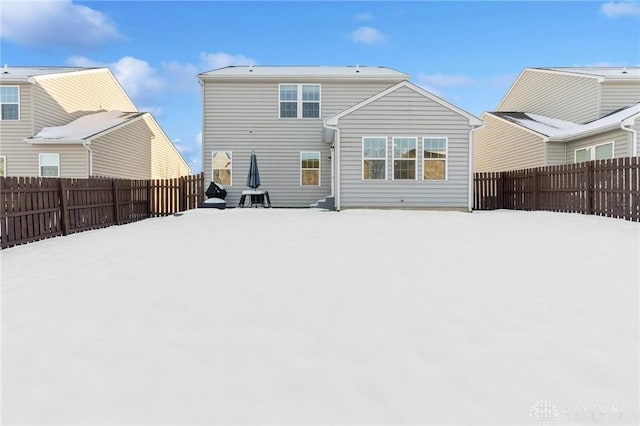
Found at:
[446, 158]
[386, 156]
[319, 167]
[592, 150]
[393, 158]
[213, 169]
[300, 101]
[11, 103]
[3, 159]
[40, 165]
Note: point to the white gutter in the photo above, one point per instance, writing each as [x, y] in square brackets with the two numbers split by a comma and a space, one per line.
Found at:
[87, 144]
[336, 161]
[471, 180]
[634, 134]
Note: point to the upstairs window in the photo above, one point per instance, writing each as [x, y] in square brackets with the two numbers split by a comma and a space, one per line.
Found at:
[434, 158]
[221, 167]
[299, 101]
[404, 158]
[10, 103]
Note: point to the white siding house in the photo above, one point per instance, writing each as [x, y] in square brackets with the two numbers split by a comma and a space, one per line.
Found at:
[311, 130]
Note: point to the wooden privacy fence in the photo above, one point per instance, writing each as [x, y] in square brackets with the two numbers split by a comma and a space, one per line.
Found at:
[33, 208]
[601, 187]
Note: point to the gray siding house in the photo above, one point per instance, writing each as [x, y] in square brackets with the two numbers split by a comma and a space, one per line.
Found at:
[336, 137]
[554, 116]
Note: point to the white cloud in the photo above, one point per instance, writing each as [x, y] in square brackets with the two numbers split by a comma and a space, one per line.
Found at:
[623, 8]
[367, 35]
[365, 16]
[212, 61]
[55, 23]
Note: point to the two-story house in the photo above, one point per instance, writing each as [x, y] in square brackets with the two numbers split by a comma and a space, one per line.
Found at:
[79, 122]
[554, 116]
[359, 136]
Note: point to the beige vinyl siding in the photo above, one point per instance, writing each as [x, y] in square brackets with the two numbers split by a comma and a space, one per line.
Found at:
[565, 97]
[166, 161]
[404, 113]
[621, 139]
[556, 154]
[12, 133]
[124, 153]
[636, 127]
[61, 98]
[501, 146]
[243, 116]
[618, 95]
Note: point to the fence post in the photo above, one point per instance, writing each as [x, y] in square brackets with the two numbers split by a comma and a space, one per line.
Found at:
[182, 194]
[534, 194]
[64, 207]
[116, 204]
[587, 193]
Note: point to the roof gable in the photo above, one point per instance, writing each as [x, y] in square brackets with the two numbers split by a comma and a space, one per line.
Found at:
[473, 120]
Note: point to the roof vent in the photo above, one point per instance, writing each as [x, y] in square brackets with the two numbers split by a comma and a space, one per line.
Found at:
[250, 67]
[357, 68]
[6, 69]
[624, 71]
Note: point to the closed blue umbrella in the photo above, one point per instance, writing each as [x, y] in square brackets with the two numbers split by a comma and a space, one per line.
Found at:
[253, 178]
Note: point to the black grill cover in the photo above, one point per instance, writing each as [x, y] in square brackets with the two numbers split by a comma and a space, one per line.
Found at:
[214, 191]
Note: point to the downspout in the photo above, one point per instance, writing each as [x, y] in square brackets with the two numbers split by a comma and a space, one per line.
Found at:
[336, 161]
[471, 180]
[87, 144]
[634, 138]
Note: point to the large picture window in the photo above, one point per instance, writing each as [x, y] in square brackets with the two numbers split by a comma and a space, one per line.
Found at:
[434, 155]
[374, 158]
[594, 152]
[299, 101]
[404, 158]
[310, 168]
[221, 167]
[49, 164]
[9, 103]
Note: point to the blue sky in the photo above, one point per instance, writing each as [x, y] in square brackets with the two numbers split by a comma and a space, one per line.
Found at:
[466, 52]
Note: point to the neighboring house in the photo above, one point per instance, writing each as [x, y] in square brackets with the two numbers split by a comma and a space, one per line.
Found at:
[554, 116]
[359, 136]
[79, 122]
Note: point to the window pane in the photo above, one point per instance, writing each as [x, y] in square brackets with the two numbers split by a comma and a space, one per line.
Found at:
[311, 93]
[403, 169]
[289, 92]
[222, 160]
[582, 155]
[49, 171]
[9, 94]
[375, 148]
[404, 148]
[222, 165]
[310, 110]
[311, 177]
[222, 177]
[434, 169]
[9, 111]
[288, 109]
[49, 160]
[435, 147]
[374, 169]
[604, 152]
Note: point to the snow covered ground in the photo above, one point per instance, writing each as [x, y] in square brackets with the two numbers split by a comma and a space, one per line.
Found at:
[251, 316]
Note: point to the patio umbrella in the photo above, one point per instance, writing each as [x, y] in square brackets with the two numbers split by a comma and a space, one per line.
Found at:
[253, 178]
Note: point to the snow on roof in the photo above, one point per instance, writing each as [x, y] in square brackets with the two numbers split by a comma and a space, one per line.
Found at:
[24, 73]
[612, 73]
[566, 130]
[84, 128]
[250, 71]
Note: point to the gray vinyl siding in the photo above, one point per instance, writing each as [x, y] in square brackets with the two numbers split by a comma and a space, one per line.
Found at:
[636, 127]
[404, 113]
[556, 153]
[124, 153]
[565, 97]
[501, 146]
[618, 95]
[621, 139]
[241, 116]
